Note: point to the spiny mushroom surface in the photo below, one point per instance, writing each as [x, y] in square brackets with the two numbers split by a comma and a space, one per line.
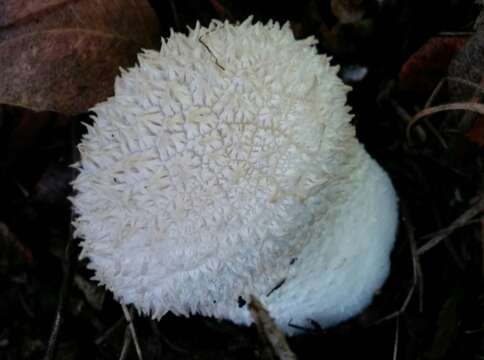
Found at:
[224, 166]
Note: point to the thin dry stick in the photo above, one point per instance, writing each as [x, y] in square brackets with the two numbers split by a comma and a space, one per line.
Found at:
[163, 339]
[129, 320]
[109, 332]
[482, 241]
[468, 106]
[454, 79]
[268, 330]
[417, 279]
[126, 344]
[397, 338]
[429, 102]
[455, 33]
[437, 135]
[176, 19]
[462, 220]
[405, 116]
[69, 263]
[477, 87]
[445, 230]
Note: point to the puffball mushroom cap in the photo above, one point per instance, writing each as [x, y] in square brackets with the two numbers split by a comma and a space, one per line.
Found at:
[224, 166]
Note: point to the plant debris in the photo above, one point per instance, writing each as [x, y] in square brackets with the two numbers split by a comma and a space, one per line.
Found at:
[64, 55]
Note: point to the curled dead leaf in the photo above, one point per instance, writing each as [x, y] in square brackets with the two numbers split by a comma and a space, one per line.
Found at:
[63, 55]
[429, 64]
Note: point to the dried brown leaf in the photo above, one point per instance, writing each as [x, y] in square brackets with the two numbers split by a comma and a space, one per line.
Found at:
[429, 64]
[64, 55]
[14, 11]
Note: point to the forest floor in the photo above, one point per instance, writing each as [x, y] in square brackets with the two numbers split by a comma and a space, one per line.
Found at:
[400, 57]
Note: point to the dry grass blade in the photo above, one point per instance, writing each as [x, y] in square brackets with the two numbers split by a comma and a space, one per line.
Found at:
[467, 216]
[126, 344]
[70, 261]
[109, 332]
[397, 338]
[269, 332]
[129, 320]
[468, 106]
[482, 241]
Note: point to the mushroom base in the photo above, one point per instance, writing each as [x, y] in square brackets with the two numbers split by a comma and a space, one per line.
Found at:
[335, 279]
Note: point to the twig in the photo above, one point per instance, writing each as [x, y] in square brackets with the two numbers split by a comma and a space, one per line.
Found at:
[397, 336]
[477, 87]
[109, 332]
[482, 241]
[459, 222]
[126, 344]
[161, 337]
[402, 308]
[25, 306]
[268, 330]
[69, 263]
[474, 331]
[129, 320]
[176, 19]
[445, 230]
[417, 279]
[403, 114]
[431, 99]
[455, 33]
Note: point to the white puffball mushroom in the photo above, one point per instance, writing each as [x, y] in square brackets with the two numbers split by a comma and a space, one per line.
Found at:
[225, 166]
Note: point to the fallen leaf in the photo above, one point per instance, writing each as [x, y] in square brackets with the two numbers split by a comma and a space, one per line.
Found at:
[429, 64]
[64, 55]
[15, 11]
